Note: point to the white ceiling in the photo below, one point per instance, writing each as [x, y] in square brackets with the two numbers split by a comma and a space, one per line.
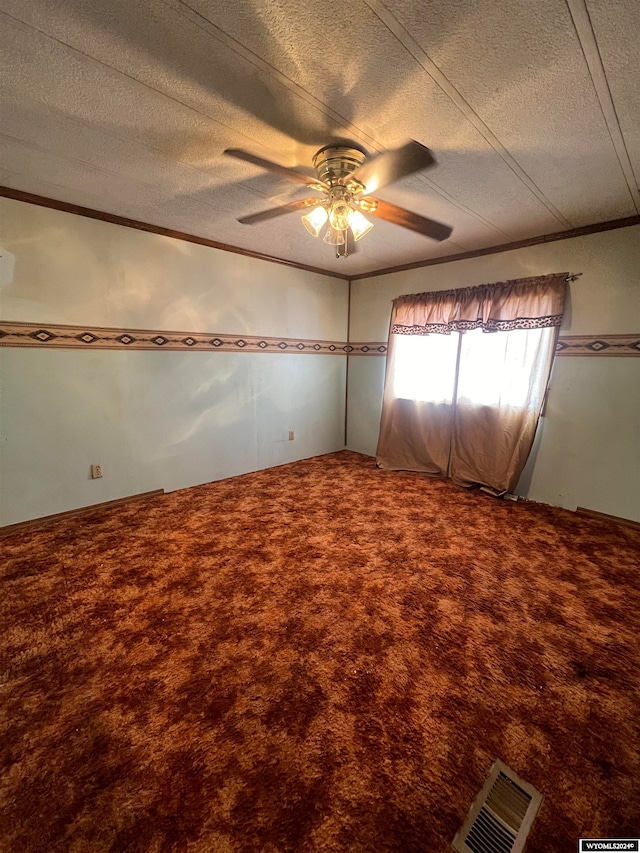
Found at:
[531, 108]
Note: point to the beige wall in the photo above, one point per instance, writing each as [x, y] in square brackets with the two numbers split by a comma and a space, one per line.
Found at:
[154, 419]
[174, 419]
[587, 449]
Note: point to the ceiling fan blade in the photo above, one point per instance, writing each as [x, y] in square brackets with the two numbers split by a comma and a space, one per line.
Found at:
[405, 218]
[393, 165]
[291, 174]
[280, 211]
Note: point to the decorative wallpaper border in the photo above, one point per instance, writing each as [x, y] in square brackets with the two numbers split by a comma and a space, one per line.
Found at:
[611, 345]
[582, 345]
[55, 336]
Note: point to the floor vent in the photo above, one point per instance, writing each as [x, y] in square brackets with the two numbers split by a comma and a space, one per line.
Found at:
[501, 817]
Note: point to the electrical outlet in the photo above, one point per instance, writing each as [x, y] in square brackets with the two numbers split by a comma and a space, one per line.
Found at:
[96, 472]
[291, 435]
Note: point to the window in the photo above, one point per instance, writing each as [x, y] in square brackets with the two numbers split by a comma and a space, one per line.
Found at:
[425, 367]
[494, 368]
[467, 371]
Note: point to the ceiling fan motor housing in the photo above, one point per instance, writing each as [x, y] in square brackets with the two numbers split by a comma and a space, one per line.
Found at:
[334, 163]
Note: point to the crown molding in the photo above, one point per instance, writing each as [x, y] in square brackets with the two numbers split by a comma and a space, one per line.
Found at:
[90, 213]
[610, 225]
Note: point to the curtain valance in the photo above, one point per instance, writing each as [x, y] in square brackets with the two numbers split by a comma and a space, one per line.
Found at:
[521, 303]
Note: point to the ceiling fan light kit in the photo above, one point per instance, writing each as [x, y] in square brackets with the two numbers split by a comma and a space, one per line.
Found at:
[359, 224]
[346, 176]
[315, 220]
[335, 236]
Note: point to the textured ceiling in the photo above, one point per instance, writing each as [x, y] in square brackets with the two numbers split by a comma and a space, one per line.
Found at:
[531, 108]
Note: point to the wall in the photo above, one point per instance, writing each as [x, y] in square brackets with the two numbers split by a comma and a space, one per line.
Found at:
[587, 448]
[154, 419]
[165, 419]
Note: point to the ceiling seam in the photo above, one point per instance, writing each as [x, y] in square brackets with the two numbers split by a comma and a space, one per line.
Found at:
[589, 44]
[293, 87]
[145, 146]
[109, 172]
[11, 173]
[24, 25]
[460, 205]
[68, 189]
[262, 65]
[441, 80]
[203, 23]
[222, 211]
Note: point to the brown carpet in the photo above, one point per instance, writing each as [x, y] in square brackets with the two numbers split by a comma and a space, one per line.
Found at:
[322, 656]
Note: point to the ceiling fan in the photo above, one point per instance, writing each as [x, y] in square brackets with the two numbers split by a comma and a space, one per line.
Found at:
[346, 177]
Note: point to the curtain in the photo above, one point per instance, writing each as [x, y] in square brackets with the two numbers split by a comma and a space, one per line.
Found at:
[467, 372]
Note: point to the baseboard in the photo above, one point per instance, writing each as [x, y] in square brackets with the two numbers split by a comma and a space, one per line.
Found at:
[21, 526]
[603, 516]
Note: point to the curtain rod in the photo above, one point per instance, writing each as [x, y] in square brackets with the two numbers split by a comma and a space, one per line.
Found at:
[573, 276]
